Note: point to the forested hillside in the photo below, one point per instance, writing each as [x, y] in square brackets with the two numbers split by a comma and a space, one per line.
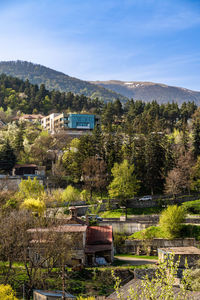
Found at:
[155, 138]
[54, 80]
[17, 94]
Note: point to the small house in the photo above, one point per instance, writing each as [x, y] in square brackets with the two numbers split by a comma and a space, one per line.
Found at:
[189, 254]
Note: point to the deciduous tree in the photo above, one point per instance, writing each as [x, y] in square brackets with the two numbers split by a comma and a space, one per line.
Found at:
[171, 220]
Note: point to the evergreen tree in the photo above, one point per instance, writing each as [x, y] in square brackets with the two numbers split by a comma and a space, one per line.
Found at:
[7, 158]
[154, 162]
[196, 138]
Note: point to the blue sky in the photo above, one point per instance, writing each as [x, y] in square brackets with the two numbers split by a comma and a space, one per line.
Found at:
[130, 40]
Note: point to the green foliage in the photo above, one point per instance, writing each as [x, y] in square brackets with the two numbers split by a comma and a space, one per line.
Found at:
[148, 233]
[192, 207]
[29, 98]
[195, 176]
[117, 213]
[70, 194]
[30, 188]
[34, 205]
[85, 195]
[87, 298]
[190, 231]
[171, 220]
[196, 137]
[124, 185]
[119, 240]
[7, 157]
[11, 204]
[161, 286]
[71, 161]
[53, 80]
[6, 292]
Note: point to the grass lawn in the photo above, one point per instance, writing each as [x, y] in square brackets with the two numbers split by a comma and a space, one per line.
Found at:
[117, 213]
[137, 256]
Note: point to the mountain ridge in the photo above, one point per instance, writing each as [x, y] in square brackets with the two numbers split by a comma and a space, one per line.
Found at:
[149, 91]
[104, 90]
[38, 74]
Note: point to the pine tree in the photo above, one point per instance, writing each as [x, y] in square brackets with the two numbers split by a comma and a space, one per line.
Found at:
[7, 158]
[196, 138]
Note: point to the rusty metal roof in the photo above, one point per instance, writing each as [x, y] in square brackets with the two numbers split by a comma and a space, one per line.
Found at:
[99, 235]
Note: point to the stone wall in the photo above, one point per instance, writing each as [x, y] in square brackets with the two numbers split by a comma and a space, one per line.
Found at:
[161, 200]
[127, 227]
[151, 246]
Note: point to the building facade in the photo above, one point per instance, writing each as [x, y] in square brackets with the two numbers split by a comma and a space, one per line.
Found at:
[59, 121]
[81, 244]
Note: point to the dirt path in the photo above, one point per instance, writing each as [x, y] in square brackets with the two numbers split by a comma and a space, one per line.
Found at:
[136, 261]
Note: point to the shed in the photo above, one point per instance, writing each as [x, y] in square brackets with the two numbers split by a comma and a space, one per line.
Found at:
[191, 254]
[51, 295]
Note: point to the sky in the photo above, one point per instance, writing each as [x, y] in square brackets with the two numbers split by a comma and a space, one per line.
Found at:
[128, 40]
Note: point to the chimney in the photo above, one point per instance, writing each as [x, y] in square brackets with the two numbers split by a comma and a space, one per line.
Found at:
[73, 211]
[87, 220]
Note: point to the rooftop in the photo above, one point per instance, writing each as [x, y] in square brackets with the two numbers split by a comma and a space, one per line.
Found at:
[61, 228]
[136, 285]
[181, 250]
[54, 293]
[99, 235]
[25, 166]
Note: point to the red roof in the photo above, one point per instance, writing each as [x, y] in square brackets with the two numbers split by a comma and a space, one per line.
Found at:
[98, 235]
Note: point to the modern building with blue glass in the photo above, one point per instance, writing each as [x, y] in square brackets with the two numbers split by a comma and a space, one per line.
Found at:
[81, 121]
[60, 121]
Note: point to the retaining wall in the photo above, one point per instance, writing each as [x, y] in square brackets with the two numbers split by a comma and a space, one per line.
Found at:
[151, 246]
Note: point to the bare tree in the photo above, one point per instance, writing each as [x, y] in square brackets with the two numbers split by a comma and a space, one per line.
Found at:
[38, 243]
[179, 178]
[94, 174]
[172, 185]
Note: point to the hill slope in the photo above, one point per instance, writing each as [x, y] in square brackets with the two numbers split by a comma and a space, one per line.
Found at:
[52, 79]
[149, 91]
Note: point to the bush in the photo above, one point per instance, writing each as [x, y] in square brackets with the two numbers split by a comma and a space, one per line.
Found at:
[171, 220]
[148, 233]
[35, 205]
[70, 194]
[7, 293]
[191, 231]
[119, 241]
[192, 207]
[30, 188]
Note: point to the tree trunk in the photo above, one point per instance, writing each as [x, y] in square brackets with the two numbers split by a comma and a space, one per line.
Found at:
[63, 282]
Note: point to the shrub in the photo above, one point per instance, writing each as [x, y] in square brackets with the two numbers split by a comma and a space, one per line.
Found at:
[34, 205]
[148, 233]
[192, 206]
[85, 195]
[171, 220]
[119, 241]
[10, 204]
[191, 231]
[30, 188]
[70, 194]
[6, 292]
